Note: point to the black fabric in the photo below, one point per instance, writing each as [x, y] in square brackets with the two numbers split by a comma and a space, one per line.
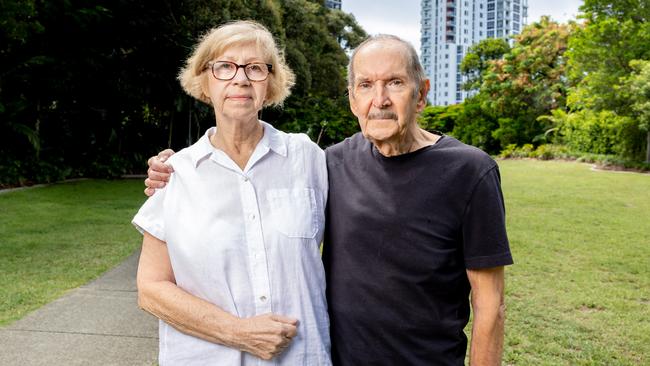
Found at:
[400, 233]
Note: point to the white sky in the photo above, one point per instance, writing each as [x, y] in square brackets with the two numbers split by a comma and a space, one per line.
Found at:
[402, 17]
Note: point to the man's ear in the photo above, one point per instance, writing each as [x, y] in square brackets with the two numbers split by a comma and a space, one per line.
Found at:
[422, 95]
[351, 101]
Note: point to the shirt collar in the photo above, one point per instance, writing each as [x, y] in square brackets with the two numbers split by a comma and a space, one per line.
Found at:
[272, 139]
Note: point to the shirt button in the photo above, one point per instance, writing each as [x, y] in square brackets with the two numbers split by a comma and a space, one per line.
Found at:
[245, 179]
[251, 216]
[263, 298]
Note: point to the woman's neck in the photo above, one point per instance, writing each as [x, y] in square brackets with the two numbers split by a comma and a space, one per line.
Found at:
[238, 139]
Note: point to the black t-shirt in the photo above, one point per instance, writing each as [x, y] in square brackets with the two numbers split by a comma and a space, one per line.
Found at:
[401, 232]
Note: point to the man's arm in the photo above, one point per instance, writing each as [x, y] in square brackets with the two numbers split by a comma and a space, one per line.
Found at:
[264, 336]
[158, 172]
[488, 305]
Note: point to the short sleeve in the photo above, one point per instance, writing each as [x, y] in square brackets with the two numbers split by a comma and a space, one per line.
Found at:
[150, 217]
[485, 241]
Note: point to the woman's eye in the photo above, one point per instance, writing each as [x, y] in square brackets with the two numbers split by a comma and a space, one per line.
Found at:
[255, 67]
[224, 66]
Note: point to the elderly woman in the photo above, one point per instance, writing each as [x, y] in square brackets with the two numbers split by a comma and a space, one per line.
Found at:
[230, 259]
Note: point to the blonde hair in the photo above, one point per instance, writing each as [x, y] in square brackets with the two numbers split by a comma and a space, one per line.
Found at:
[215, 42]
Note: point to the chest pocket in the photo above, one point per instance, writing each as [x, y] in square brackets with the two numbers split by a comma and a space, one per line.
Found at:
[294, 211]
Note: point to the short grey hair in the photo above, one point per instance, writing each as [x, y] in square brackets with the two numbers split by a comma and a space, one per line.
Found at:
[413, 66]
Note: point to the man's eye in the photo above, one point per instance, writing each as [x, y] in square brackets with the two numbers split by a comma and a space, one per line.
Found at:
[364, 85]
[395, 83]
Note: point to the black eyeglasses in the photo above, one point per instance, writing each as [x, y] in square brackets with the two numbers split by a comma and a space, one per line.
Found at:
[226, 70]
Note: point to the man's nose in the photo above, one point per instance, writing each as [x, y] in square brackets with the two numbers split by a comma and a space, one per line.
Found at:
[380, 98]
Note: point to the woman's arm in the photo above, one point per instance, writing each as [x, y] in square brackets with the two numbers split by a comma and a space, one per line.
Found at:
[264, 336]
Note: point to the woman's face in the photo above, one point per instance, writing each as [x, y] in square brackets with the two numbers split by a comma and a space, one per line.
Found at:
[238, 98]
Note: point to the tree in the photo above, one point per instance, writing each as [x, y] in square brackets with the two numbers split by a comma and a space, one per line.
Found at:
[100, 107]
[639, 84]
[478, 59]
[615, 32]
[528, 82]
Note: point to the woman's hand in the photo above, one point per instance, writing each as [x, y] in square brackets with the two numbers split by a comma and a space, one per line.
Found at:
[265, 336]
[158, 172]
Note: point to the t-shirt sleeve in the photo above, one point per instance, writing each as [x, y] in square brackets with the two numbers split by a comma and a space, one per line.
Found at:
[150, 217]
[485, 241]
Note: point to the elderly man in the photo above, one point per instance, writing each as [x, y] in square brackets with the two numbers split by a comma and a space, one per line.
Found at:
[415, 221]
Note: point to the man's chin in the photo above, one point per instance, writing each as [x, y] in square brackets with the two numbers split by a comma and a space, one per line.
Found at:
[380, 131]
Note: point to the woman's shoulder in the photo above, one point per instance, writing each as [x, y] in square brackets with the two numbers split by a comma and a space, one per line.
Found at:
[189, 156]
[295, 141]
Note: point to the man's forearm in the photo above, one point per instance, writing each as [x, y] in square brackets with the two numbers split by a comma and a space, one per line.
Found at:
[488, 305]
[486, 346]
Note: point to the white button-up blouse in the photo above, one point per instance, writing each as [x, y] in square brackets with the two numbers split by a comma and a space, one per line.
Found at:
[246, 241]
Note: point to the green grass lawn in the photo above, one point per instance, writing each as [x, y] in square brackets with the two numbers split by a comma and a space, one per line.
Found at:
[579, 292]
[59, 237]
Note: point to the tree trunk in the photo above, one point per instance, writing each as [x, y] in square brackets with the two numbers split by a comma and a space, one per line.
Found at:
[647, 149]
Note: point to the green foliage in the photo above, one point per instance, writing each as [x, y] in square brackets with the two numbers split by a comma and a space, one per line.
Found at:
[589, 131]
[101, 107]
[639, 89]
[469, 122]
[528, 82]
[605, 64]
[563, 152]
[439, 118]
[478, 58]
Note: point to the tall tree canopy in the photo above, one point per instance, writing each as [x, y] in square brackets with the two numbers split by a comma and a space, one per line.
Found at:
[89, 87]
[528, 82]
[601, 54]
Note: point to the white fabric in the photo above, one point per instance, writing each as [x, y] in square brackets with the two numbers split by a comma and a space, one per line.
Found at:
[246, 241]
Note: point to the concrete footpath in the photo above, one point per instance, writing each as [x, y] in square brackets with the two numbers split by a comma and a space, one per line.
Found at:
[97, 324]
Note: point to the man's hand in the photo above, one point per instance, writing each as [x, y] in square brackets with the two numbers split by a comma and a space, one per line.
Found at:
[265, 336]
[158, 172]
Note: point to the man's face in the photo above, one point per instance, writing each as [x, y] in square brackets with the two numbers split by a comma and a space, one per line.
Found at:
[381, 95]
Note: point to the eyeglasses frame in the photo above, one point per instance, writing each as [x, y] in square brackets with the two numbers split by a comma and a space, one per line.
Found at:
[210, 66]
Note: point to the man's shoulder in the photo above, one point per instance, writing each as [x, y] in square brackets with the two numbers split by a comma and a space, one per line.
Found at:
[457, 152]
[337, 152]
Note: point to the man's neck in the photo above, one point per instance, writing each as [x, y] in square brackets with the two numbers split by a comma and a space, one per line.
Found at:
[414, 139]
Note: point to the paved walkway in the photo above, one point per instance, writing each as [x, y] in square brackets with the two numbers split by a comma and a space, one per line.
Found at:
[97, 324]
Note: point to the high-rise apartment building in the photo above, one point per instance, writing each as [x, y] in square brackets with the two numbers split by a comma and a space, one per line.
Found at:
[333, 4]
[450, 27]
